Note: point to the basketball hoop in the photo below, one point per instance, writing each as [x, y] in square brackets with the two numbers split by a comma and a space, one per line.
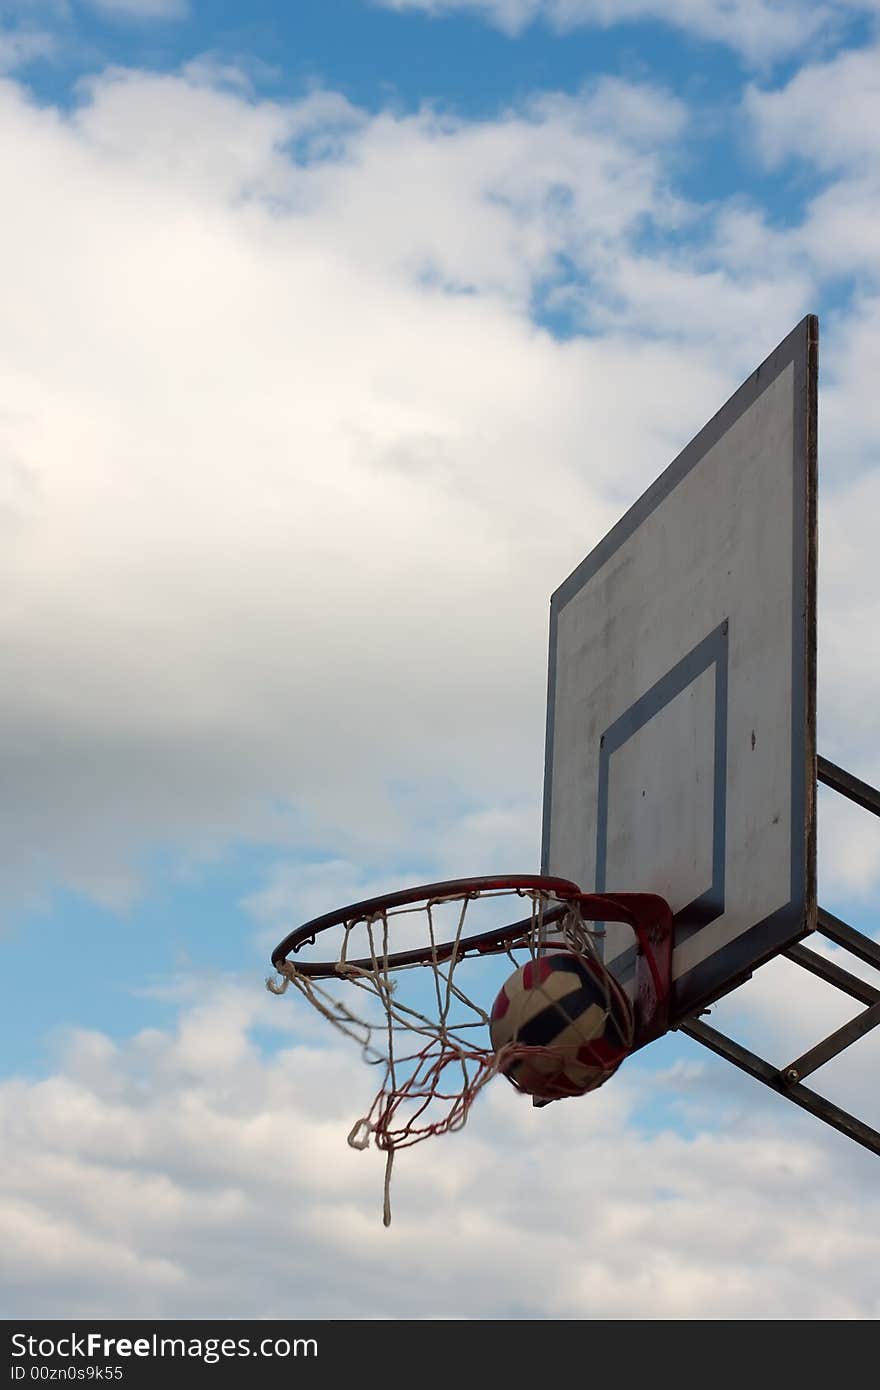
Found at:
[428, 1038]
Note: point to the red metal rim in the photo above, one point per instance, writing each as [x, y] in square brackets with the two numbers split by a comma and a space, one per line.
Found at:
[598, 906]
[485, 943]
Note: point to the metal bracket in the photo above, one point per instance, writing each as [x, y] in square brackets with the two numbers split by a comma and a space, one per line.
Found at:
[786, 1081]
[852, 787]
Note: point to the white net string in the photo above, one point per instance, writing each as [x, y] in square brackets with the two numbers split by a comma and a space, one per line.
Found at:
[426, 1036]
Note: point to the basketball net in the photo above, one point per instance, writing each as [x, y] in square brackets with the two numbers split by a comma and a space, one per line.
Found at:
[416, 1024]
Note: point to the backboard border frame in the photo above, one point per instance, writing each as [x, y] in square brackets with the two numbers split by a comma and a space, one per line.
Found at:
[798, 917]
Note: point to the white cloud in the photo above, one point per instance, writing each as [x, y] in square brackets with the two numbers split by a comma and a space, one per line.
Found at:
[804, 120]
[20, 47]
[166, 1176]
[141, 9]
[849, 840]
[267, 487]
[761, 30]
[287, 470]
[510, 16]
[849, 687]
[806, 117]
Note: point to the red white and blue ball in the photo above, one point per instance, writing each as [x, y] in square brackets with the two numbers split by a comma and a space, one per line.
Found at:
[563, 1024]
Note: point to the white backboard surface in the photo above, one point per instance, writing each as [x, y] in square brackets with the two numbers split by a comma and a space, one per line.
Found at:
[681, 699]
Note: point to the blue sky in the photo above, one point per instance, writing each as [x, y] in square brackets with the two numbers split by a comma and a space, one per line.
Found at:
[408, 58]
[335, 335]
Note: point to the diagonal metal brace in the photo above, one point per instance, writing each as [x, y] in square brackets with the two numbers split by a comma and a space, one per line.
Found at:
[763, 1071]
[842, 934]
[862, 793]
[866, 950]
[847, 983]
[832, 1045]
[786, 1081]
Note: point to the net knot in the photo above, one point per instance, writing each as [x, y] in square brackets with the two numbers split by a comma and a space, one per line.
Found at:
[359, 1137]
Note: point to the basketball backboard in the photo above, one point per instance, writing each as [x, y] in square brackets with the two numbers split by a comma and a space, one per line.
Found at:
[680, 754]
